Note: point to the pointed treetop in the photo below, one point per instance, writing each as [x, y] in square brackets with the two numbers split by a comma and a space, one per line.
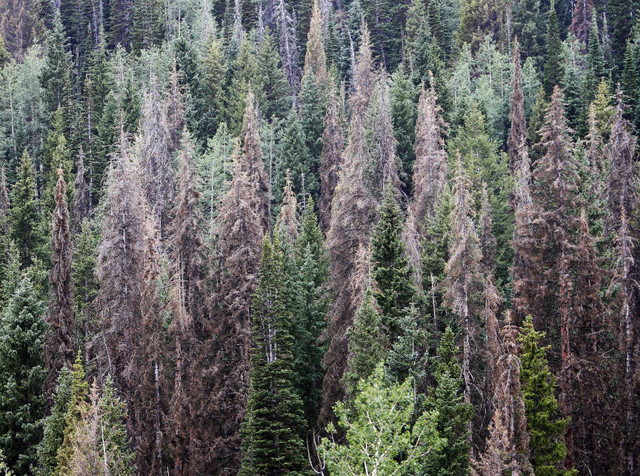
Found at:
[315, 59]
[287, 221]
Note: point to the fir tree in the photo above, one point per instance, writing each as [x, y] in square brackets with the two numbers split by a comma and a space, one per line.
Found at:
[25, 217]
[331, 157]
[61, 339]
[315, 59]
[272, 81]
[454, 415]
[155, 156]
[188, 304]
[242, 222]
[273, 425]
[367, 343]
[546, 428]
[22, 374]
[391, 272]
[312, 261]
[463, 275]
[296, 158]
[507, 450]
[430, 169]
[404, 113]
[553, 67]
[55, 75]
[353, 211]
[569, 263]
[312, 112]
[54, 425]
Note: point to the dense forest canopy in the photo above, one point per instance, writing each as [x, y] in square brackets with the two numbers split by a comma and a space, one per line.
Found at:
[333, 237]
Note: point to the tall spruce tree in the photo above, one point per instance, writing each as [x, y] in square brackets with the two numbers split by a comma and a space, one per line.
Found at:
[61, 341]
[22, 374]
[454, 415]
[242, 222]
[393, 277]
[273, 425]
[188, 303]
[312, 262]
[331, 156]
[367, 343]
[26, 230]
[553, 67]
[507, 450]
[557, 249]
[546, 427]
[463, 279]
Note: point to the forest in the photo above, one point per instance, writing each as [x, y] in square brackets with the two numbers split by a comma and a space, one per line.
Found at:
[319, 237]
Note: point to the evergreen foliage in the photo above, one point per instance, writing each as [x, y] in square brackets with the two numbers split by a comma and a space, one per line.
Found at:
[273, 425]
[22, 374]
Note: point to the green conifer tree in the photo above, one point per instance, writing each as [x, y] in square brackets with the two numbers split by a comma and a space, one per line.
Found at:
[296, 159]
[54, 425]
[312, 262]
[22, 374]
[312, 111]
[541, 407]
[454, 414]
[366, 343]
[273, 427]
[553, 67]
[26, 229]
[395, 290]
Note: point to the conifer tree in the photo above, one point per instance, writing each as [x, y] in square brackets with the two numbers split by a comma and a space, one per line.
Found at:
[463, 277]
[403, 96]
[312, 101]
[242, 222]
[61, 336]
[85, 282]
[22, 374]
[188, 303]
[54, 425]
[296, 159]
[507, 450]
[621, 189]
[155, 155]
[273, 425]
[123, 258]
[77, 399]
[430, 169]
[454, 415]
[312, 261]
[331, 157]
[272, 81]
[367, 343]
[25, 217]
[517, 141]
[208, 91]
[315, 59]
[553, 67]
[546, 428]
[354, 209]
[55, 75]
[595, 62]
[569, 307]
[81, 203]
[621, 192]
[56, 156]
[393, 277]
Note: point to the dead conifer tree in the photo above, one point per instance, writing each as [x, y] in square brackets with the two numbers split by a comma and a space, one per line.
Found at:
[61, 339]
